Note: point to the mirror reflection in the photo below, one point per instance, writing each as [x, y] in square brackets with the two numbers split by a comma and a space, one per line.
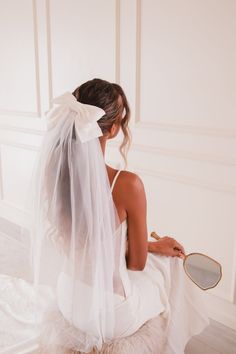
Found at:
[202, 270]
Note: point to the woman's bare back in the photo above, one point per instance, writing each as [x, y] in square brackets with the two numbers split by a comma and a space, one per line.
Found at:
[130, 201]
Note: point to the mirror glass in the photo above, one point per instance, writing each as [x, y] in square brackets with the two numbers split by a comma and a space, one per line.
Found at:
[203, 270]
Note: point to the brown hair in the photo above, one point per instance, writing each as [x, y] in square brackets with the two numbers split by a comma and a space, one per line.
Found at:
[104, 94]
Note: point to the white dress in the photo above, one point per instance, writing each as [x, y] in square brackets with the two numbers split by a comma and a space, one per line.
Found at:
[161, 290]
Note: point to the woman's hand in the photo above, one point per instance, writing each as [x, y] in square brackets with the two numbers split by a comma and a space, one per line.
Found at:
[167, 246]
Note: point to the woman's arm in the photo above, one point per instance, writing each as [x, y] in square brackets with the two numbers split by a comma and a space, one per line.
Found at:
[138, 245]
[136, 208]
[166, 246]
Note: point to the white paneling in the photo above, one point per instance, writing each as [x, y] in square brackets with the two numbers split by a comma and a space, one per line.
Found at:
[22, 138]
[18, 59]
[188, 55]
[128, 45]
[117, 40]
[202, 147]
[44, 54]
[23, 124]
[17, 165]
[213, 174]
[199, 218]
[195, 169]
[83, 42]
[1, 172]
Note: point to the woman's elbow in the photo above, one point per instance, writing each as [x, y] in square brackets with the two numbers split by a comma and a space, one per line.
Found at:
[136, 265]
[136, 268]
[136, 259]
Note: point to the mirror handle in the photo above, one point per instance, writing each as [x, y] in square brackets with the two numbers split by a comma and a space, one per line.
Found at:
[154, 235]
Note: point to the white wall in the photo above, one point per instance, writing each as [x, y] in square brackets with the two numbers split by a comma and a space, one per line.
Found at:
[176, 63]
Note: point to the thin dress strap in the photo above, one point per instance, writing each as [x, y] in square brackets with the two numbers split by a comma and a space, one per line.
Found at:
[114, 180]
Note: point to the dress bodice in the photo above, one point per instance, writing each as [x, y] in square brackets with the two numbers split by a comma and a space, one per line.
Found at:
[123, 273]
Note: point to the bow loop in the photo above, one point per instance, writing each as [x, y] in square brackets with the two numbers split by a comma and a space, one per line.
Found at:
[85, 119]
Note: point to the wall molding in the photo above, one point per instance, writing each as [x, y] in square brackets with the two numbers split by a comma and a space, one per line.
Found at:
[189, 129]
[36, 55]
[182, 154]
[180, 127]
[49, 52]
[138, 61]
[19, 145]
[36, 113]
[21, 130]
[1, 179]
[217, 187]
[174, 177]
[117, 39]
[5, 112]
[24, 124]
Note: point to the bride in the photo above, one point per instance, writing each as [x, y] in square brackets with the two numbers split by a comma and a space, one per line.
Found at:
[95, 276]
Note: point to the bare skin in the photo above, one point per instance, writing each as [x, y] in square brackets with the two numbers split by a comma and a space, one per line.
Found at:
[130, 201]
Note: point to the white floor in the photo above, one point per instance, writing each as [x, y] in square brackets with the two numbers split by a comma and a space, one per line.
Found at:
[215, 339]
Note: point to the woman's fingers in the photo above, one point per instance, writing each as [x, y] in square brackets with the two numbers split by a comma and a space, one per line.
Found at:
[178, 253]
[168, 246]
[181, 255]
[179, 247]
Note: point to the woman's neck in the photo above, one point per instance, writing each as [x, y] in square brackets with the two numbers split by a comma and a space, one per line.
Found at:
[103, 141]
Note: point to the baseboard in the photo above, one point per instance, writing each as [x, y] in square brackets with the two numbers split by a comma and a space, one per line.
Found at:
[221, 310]
[13, 215]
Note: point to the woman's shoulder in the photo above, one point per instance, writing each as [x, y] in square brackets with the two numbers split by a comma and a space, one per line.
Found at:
[131, 176]
[130, 181]
[127, 180]
[129, 193]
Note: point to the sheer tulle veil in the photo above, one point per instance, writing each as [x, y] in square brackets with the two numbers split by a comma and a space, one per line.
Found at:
[75, 231]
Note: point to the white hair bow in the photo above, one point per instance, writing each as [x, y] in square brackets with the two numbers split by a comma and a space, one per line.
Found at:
[85, 119]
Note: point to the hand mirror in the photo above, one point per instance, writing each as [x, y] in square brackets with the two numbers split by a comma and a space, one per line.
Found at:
[203, 270]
